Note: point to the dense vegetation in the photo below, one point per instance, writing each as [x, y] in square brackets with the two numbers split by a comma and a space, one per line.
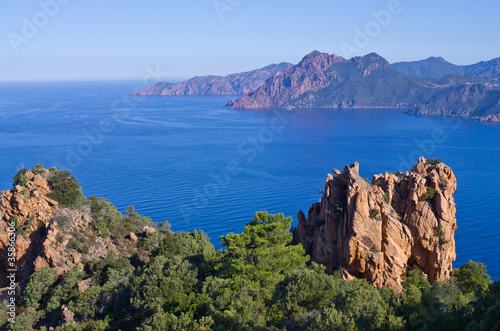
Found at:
[258, 282]
[179, 281]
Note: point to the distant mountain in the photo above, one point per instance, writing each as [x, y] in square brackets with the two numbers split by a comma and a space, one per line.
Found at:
[216, 85]
[485, 68]
[472, 101]
[329, 81]
[438, 67]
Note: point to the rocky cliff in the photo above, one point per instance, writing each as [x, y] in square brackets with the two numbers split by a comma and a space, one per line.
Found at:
[328, 81]
[237, 83]
[379, 231]
[31, 210]
[49, 235]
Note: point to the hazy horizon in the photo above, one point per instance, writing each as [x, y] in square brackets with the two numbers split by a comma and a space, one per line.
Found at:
[63, 40]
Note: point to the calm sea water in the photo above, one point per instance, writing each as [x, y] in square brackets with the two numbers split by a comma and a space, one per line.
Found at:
[198, 165]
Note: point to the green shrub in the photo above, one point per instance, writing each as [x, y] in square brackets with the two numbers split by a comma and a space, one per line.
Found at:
[39, 284]
[472, 277]
[439, 230]
[339, 208]
[262, 254]
[415, 278]
[29, 222]
[17, 225]
[387, 197]
[442, 241]
[374, 213]
[38, 170]
[19, 178]
[65, 189]
[102, 229]
[433, 161]
[440, 234]
[26, 320]
[331, 319]
[88, 304]
[430, 194]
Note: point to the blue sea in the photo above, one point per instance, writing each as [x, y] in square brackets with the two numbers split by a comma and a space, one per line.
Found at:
[198, 165]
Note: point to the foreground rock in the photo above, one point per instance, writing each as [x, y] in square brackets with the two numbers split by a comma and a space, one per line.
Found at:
[380, 231]
[47, 234]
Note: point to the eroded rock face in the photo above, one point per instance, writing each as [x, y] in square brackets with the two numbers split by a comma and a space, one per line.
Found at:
[379, 231]
[30, 209]
[45, 234]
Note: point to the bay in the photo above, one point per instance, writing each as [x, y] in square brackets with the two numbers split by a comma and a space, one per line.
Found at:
[198, 165]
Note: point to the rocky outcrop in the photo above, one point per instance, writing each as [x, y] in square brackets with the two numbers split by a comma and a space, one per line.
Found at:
[31, 210]
[379, 231]
[238, 83]
[46, 235]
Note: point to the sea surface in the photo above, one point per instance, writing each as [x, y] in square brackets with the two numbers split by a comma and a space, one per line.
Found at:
[198, 165]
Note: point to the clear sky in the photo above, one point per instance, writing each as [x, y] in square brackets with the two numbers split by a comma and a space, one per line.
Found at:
[119, 39]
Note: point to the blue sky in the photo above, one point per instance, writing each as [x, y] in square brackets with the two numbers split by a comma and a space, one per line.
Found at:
[119, 39]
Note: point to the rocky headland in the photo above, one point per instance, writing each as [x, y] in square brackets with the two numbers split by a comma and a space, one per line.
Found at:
[380, 230]
[321, 80]
[237, 83]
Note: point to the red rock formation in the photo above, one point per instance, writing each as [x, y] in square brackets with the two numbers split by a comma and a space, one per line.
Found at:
[31, 209]
[296, 85]
[44, 231]
[379, 231]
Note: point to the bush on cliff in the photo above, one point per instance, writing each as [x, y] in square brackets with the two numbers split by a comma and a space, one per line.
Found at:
[19, 178]
[39, 284]
[64, 188]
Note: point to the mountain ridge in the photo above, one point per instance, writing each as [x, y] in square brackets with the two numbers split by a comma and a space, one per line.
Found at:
[437, 67]
[321, 80]
[237, 83]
